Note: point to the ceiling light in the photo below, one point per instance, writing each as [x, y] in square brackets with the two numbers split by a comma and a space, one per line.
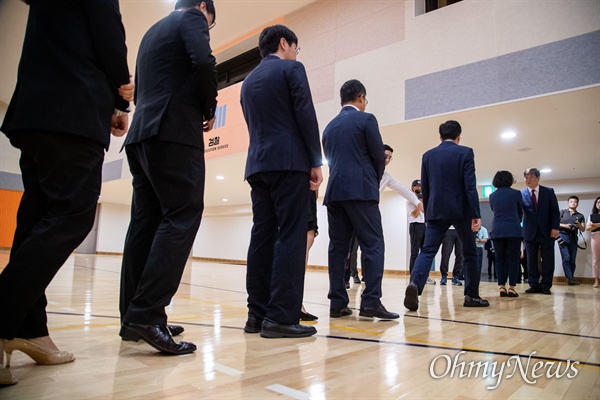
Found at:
[225, 199]
[508, 135]
[220, 177]
[545, 170]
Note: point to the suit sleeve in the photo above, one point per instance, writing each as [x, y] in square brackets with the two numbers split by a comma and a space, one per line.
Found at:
[194, 33]
[470, 185]
[519, 199]
[554, 210]
[424, 183]
[375, 145]
[108, 35]
[304, 110]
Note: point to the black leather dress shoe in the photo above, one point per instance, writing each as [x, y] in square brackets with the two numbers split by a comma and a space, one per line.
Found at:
[377, 312]
[347, 285]
[356, 279]
[271, 329]
[546, 291]
[340, 313]
[175, 329]
[411, 297]
[534, 289]
[475, 302]
[253, 324]
[157, 336]
[304, 316]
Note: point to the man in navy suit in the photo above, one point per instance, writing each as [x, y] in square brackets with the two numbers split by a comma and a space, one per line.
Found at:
[450, 198]
[176, 91]
[284, 162]
[356, 157]
[64, 108]
[541, 221]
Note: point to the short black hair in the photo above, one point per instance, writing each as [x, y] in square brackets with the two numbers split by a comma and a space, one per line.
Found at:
[573, 197]
[450, 130]
[268, 41]
[387, 147]
[533, 171]
[186, 4]
[351, 90]
[503, 179]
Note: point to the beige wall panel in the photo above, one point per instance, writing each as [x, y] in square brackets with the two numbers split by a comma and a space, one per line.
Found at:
[351, 10]
[325, 113]
[321, 83]
[313, 20]
[316, 51]
[444, 46]
[382, 71]
[370, 32]
[525, 24]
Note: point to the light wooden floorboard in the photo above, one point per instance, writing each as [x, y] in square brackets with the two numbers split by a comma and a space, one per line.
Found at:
[349, 358]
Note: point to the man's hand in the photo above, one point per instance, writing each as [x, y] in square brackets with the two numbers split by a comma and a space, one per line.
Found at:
[119, 125]
[554, 233]
[126, 91]
[418, 210]
[208, 125]
[316, 178]
[475, 224]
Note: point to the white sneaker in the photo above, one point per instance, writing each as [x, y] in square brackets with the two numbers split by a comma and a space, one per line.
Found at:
[430, 281]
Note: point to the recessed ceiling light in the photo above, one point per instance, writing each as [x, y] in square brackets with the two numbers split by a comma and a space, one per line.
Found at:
[225, 199]
[545, 170]
[508, 135]
[220, 177]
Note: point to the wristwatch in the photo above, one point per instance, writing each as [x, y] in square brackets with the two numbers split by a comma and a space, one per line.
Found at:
[118, 113]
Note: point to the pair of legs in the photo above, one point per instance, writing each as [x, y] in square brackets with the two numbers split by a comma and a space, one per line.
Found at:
[568, 254]
[595, 245]
[166, 209]
[451, 240]
[364, 220]
[538, 248]
[61, 176]
[416, 231]
[507, 261]
[278, 244]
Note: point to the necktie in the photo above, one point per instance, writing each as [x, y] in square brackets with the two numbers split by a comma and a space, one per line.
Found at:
[534, 199]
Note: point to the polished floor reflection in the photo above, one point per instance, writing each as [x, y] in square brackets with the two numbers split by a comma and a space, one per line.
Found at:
[534, 346]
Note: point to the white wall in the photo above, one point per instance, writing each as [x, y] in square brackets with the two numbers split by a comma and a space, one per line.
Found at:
[112, 227]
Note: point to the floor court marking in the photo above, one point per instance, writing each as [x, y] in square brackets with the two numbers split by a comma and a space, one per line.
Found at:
[287, 391]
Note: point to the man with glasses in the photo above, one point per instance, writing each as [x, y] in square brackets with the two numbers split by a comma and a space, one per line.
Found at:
[353, 147]
[283, 165]
[175, 97]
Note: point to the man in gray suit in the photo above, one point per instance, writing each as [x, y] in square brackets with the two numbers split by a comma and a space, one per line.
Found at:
[176, 91]
[450, 198]
[356, 156]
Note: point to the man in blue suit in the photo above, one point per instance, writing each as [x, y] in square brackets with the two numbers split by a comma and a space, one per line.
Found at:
[284, 162]
[541, 221]
[450, 198]
[356, 157]
[176, 96]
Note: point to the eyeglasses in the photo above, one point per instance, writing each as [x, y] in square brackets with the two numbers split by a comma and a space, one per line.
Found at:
[297, 50]
[388, 157]
[212, 25]
[365, 97]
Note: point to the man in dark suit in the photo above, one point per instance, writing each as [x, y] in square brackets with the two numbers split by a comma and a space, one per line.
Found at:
[176, 91]
[450, 198]
[64, 107]
[284, 161]
[356, 157]
[541, 221]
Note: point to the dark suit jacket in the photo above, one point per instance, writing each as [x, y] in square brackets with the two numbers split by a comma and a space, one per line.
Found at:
[547, 216]
[281, 119]
[74, 59]
[176, 81]
[354, 150]
[448, 183]
[507, 205]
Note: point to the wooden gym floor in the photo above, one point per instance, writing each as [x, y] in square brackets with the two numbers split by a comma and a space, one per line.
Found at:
[518, 348]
